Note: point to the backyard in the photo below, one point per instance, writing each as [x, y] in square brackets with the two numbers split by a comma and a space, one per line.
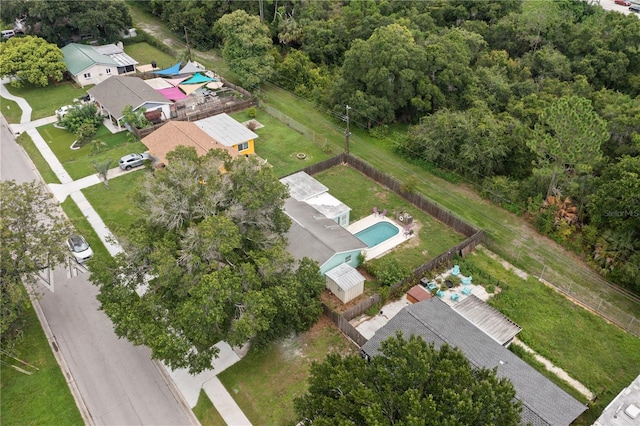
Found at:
[596, 353]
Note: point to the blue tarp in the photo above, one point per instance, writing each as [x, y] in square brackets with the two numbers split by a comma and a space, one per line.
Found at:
[174, 70]
[197, 78]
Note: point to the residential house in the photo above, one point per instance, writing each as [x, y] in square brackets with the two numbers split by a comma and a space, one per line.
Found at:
[227, 131]
[181, 133]
[315, 236]
[115, 93]
[305, 188]
[543, 403]
[93, 64]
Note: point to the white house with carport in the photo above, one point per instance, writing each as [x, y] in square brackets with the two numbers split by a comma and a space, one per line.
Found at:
[114, 94]
[304, 187]
[94, 64]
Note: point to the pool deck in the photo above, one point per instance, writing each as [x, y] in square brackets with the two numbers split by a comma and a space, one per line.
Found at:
[384, 247]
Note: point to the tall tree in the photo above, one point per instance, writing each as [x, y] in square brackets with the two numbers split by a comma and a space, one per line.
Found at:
[247, 45]
[32, 235]
[31, 59]
[567, 141]
[209, 263]
[409, 382]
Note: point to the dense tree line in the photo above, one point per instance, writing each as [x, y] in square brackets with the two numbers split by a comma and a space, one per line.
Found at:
[58, 21]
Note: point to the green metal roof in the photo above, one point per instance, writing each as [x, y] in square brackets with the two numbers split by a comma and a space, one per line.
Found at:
[79, 57]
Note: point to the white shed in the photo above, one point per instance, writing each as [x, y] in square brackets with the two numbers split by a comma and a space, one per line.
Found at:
[345, 282]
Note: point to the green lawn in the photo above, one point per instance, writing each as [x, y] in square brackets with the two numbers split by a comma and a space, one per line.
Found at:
[206, 412]
[42, 398]
[598, 354]
[11, 111]
[116, 205]
[362, 194]
[38, 160]
[266, 380]
[78, 162]
[144, 53]
[279, 144]
[45, 100]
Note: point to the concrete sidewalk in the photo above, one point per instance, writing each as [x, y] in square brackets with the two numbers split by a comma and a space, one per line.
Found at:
[188, 384]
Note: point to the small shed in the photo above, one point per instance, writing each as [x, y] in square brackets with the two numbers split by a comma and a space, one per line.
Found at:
[345, 282]
[417, 293]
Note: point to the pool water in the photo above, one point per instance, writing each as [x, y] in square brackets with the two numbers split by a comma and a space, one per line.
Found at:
[377, 233]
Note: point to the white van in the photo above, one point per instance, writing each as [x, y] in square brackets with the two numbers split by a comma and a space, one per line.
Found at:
[8, 33]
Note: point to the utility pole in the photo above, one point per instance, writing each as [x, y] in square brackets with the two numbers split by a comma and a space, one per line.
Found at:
[347, 133]
[186, 38]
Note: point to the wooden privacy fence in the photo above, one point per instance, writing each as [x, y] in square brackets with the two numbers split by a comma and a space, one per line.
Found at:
[343, 324]
[474, 237]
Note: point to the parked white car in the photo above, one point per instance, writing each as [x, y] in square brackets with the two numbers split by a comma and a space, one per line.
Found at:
[79, 248]
[63, 110]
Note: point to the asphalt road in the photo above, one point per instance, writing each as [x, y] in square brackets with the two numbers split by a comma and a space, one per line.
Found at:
[611, 5]
[117, 383]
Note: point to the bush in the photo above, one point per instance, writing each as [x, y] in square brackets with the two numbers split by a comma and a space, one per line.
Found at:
[387, 271]
[252, 112]
[82, 114]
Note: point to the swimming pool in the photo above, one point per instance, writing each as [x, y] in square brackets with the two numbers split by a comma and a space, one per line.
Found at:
[377, 233]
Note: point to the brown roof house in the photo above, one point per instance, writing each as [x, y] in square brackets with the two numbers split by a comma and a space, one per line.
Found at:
[182, 133]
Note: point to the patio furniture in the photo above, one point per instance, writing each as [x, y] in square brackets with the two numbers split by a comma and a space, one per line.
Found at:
[466, 280]
[432, 286]
[375, 211]
[440, 293]
[384, 213]
[455, 270]
[467, 291]
[455, 297]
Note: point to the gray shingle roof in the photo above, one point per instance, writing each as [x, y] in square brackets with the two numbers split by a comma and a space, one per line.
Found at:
[116, 92]
[346, 276]
[543, 403]
[487, 319]
[314, 236]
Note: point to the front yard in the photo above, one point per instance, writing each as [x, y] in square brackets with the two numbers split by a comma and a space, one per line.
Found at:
[79, 162]
[45, 100]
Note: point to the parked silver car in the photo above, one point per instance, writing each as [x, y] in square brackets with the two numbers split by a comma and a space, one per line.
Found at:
[130, 161]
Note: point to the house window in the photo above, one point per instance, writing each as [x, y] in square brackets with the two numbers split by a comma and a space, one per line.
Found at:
[108, 70]
[87, 75]
[242, 146]
[347, 259]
